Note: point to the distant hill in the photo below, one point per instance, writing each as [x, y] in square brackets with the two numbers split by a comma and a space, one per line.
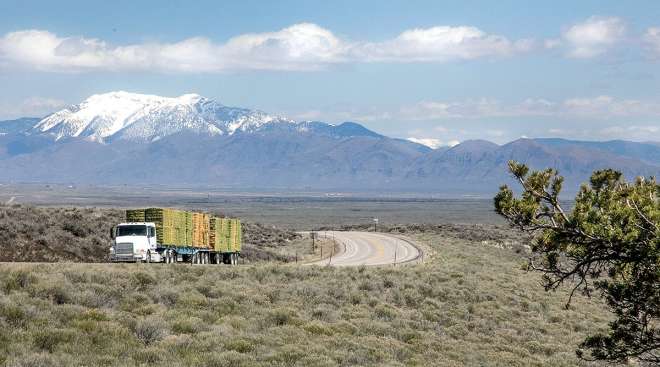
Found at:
[125, 138]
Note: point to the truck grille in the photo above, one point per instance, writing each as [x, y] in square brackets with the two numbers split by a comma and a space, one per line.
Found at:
[124, 250]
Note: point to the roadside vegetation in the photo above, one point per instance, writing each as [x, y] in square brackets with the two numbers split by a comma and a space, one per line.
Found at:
[471, 304]
[44, 234]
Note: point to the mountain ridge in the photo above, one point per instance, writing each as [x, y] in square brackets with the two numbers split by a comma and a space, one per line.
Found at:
[192, 140]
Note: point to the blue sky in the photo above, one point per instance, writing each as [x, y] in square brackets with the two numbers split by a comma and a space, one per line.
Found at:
[439, 72]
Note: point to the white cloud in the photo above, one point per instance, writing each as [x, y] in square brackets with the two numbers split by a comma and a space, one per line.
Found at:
[652, 40]
[608, 107]
[552, 43]
[30, 107]
[594, 36]
[432, 110]
[434, 143]
[611, 132]
[440, 44]
[303, 46]
[596, 108]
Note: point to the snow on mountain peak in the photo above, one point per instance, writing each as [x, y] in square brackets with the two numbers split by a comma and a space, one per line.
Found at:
[191, 98]
[133, 116]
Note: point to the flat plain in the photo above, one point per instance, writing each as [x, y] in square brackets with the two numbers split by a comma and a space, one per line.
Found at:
[288, 209]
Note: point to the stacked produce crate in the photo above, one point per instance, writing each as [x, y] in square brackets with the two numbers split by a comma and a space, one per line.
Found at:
[189, 228]
[200, 230]
[214, 224]
[226, 235]
[135, 215]
[182, 228]
[170, 225]
[236, 235]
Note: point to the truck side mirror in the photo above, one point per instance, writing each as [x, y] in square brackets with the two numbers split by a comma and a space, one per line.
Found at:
[112, 232]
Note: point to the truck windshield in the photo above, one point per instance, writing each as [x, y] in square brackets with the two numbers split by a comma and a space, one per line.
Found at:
[132, 230]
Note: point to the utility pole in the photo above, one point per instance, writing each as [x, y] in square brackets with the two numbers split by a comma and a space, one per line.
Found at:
[396, 247]
[333, 248]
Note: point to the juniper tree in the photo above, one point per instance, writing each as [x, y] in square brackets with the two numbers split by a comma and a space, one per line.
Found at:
[608, 244]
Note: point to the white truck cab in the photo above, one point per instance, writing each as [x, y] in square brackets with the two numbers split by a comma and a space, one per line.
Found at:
[134, 241]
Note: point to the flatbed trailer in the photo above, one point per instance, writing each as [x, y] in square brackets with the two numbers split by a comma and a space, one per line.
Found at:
[194, 255]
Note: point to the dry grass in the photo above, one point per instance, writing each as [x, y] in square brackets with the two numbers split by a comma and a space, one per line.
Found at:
[470, 305]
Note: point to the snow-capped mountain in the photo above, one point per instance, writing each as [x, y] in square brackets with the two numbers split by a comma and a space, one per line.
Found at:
[192, 140]
[140, 117]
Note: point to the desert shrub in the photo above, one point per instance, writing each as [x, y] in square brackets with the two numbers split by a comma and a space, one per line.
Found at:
[148, 356]
[150, 330]
[34, 360]
[324, 312]
[143, 280]
[228, 359]
[168, 297]
[56, 293]
[385, 313]
[318, 328]
[240, 345]
[188, 325]
[48, 339]
[19, 279]
[315, 360]
[13, 314]
[280, 316]
[288, 355]
[74, 227]
[97, 296]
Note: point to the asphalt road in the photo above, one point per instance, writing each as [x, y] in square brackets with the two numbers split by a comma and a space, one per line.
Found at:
[369, 248]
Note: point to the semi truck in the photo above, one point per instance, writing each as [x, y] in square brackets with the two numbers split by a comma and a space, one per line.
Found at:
[171, 236]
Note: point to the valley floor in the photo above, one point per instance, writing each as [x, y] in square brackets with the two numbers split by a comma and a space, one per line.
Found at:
[469, 304]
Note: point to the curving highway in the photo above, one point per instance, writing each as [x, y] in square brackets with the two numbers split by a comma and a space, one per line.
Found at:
[369, 248]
